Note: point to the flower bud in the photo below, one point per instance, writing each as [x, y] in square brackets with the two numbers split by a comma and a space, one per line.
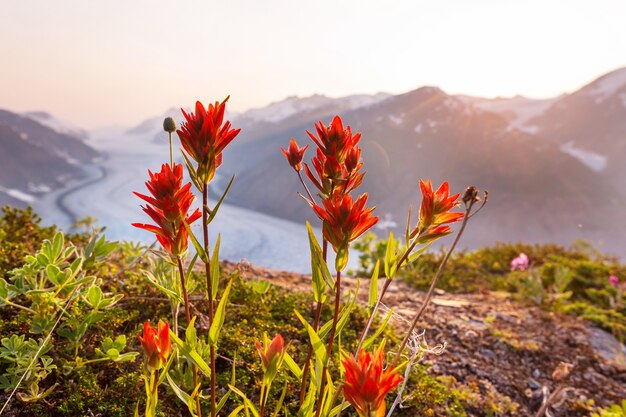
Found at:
[470, 195]
[169, 124]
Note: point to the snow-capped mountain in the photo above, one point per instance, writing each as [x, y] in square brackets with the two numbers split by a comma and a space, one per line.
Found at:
[35, 159]
[56, 124]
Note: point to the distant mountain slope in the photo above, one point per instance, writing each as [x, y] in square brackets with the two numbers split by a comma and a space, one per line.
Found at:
[35, 159]
[539, 192]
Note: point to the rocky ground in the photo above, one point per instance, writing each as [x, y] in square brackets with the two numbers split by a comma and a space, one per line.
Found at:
[500, 353]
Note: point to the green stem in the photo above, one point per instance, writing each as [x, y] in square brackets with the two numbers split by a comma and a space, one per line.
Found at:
[171, 152]
[209, 285]
[194, 369]
[316, 324]
[329, 349]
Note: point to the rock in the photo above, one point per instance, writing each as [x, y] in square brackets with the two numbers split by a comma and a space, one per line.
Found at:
[607, 347]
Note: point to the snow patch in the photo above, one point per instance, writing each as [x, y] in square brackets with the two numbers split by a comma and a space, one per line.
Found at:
[59, 126]
[38, 188]
[519, 110]
[17, 194]
[397, 120]
[607, 85]
[594, 161]
[293, 105]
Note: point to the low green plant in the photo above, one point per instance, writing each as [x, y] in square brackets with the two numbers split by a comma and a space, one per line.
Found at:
[615, 410]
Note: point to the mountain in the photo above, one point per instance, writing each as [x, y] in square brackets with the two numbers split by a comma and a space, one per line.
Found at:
[35, 158]
[543, 166]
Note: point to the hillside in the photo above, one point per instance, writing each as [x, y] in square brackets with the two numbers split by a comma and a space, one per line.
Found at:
[35, 158]
[540, 190]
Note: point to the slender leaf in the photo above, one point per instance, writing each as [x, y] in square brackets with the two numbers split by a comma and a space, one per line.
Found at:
[191, 354]
[245, 399]
[219, 202]
[293, 366]
[318, 268]
[390, 257]
[199, 249]
[182, 395]
[318, 346]
[373, 299]
[218, 320]
[280, 401]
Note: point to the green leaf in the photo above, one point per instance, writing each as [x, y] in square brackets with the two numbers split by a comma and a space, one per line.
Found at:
[390, 257]
[190, 333]
[199, 249]
[191, 354]
[293, 366]
[94, 295]
[318, 346]
[191, 265]
[215, 269]
[318, 268]
[219, 202]
[218, 320]
[182, 395]
[407, 233]
[373, 299]
[279, 404]
[416, 254]
[245, 399]
[192, 172]
[341, 260]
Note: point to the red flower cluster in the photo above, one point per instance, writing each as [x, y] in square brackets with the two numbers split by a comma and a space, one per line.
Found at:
[343, 220]
[435, 212]
[337, 166]
[367, 384]
[338, 159]
[204, 135]
[168, 207]
[156, 345]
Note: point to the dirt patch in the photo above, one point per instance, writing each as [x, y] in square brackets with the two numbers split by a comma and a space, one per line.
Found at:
[496, 347]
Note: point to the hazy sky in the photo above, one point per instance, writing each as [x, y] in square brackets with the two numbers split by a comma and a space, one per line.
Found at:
[98, 63]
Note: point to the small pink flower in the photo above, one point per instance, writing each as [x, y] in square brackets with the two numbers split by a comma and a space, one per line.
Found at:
[521, 262]
[614, 280]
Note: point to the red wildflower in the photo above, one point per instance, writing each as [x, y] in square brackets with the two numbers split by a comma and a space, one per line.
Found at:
[204, 135]
[344, 220]
[367, 384]
[168, 207]
[435, 211]
[271, 354]
[334, 140]
[338, 159]
[156, 344]
[295, 154]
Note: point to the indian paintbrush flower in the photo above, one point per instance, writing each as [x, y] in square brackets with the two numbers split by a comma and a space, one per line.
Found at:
[271, 354]
[168, 207]
[613, 280]
[294, 154]
[204, 135]
[343, 220]
[435, 212]
[338, 158]
[156, 345]
[367, 383]
[334, 140]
